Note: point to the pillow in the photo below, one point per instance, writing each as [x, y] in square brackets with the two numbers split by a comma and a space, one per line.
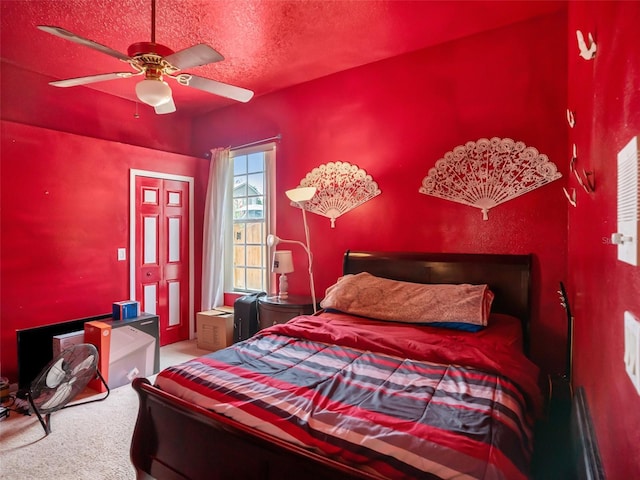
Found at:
[461, 306]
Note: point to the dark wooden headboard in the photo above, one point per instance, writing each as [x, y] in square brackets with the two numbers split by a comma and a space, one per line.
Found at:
[508, 276]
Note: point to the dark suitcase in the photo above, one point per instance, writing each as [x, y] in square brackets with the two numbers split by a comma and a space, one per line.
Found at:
[245, 316]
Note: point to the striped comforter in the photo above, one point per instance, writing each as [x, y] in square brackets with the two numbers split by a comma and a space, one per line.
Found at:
[393, 399]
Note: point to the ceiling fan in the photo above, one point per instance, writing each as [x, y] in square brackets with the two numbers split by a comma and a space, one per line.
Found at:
[155, 61]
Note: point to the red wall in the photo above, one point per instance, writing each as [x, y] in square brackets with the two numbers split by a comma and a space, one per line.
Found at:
[605, 95]
[65, 212]
[394, 119]
[28, 98]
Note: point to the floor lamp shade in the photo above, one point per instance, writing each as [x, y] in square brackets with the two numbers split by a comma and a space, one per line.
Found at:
[282, 264]
[301, 194]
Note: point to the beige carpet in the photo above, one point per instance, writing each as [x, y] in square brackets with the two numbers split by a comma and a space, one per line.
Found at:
[86, 442]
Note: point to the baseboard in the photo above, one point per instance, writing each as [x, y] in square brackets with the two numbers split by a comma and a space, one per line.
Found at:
[588, 462]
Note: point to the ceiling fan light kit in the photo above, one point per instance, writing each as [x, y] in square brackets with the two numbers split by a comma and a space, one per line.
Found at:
[153, 91]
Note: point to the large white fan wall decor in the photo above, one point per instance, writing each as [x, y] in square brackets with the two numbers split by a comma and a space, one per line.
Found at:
[486, 173]
[341, 187]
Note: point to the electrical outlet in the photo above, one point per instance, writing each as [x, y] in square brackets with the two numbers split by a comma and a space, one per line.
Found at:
[632, 348]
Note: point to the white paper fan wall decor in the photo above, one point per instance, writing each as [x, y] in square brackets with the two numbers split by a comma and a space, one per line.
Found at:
[486, 173]
[341, 187]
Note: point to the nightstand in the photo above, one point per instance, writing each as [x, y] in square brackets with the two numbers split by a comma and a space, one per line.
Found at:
[274, 310]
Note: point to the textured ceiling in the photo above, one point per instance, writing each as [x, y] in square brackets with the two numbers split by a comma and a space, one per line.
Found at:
[267, 44]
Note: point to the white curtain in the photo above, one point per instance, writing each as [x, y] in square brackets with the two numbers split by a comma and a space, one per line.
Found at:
[218, 223]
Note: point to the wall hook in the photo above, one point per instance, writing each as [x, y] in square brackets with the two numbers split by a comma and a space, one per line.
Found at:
[571, 118]
[588, 182]
[586, 51]
[571, 197]
[574, 159]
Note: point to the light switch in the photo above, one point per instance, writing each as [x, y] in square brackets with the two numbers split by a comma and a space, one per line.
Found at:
[632, 348]
[122, 254]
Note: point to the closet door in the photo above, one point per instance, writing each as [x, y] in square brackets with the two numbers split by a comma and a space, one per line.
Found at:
[162, 254]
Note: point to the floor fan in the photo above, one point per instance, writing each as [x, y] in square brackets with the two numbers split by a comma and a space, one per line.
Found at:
[62, 380]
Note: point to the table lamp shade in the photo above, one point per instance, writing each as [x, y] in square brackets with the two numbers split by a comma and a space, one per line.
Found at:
[282, 261]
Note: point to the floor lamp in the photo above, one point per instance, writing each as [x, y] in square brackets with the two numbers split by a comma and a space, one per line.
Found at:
[300, 196]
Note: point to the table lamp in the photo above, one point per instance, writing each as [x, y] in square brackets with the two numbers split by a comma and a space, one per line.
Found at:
[282, 264]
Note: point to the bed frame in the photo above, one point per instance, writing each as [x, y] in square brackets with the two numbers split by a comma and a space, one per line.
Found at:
[174, 439]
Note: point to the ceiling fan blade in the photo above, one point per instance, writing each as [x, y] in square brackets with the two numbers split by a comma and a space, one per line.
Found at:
[62, 33]
[74, 82]
[195, 56]
[213, 86]
[168, 107]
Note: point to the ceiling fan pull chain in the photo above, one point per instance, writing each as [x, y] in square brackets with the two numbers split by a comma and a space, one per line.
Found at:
[153, 21]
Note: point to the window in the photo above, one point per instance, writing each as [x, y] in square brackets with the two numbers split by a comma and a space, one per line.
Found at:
[252, 178]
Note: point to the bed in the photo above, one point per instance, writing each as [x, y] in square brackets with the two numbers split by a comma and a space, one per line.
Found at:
[345, 394]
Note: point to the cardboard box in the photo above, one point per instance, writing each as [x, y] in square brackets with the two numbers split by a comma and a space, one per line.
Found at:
[66, 340]
[125, 309]
[215, 329]
[99, 334]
